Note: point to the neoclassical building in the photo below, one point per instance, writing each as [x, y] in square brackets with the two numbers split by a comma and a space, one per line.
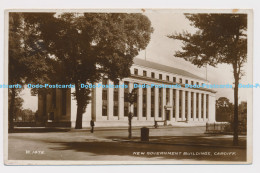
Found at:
[108, 107]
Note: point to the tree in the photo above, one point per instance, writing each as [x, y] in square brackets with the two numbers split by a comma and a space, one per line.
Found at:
[131, 98]
[90, 46]
[224, 109]
[24, 66]
[219, 38]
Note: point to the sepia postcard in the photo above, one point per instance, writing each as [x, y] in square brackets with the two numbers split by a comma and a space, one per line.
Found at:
[128, 86]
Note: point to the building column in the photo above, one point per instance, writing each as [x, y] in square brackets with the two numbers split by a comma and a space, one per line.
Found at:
[189, 107]
[171, 103]
[183, 106]
[121, 101]
[140, 103]
[97, 102]
[163, 103]
[131, 86]
[156, 103]
[148, 103]
[204, 107]
[110, 101]
[199, 106]
[177, 92]
[194, 106]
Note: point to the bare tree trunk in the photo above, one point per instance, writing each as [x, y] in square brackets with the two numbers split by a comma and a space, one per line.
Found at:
[80, 107]
[235, 123]
[79, 117]
[11, 110]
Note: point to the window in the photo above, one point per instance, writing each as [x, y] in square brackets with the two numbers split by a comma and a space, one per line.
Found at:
[136, 71]
[160, 76]
[186, 81]
[180, 80]
[192, 83]
[104, 94]
[115, 110]
[104, 81]
[207, 106]
[180, 104]
[152, 75]
[191, 101]
[197, 83]
[144, 73]
[104, 110]
[174, 79]
[173, 102]
[160, 102]
[152, 102]
[167, 78]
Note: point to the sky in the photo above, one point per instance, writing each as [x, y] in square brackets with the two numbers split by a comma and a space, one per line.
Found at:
[161, 50]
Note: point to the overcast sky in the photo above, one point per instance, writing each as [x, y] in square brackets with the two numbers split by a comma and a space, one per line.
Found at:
[161, 50]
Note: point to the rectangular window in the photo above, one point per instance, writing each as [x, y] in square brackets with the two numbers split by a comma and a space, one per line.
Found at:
[104, 110]
[173, 102]
[186, 82]
[152, 75]
[192, 83]
[197, 83]
[167, 78]
[202, 105]
[174, 79]
[186, 104]
[180, 103]
[136, 71]
[191, 101]
[144, 101]
[167, 96]
[115, 110]
[197, 105]
[152, 102]
[160, 76]
[207, 106]
[104, 81]
[144, 73]
[160, 102]
[126, 104]
[180, 80]
[104, 94]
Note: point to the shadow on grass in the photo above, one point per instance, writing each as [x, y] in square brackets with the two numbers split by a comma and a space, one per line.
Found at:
[150, 151]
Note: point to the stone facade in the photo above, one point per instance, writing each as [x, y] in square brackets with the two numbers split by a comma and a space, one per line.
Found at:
[172, 106]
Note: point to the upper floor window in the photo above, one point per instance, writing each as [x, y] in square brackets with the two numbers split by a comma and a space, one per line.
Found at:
[197, 83]
[186, 82]
[167, 78]
[152, 75]
[144, 73]
[104, 81]
[136, 71]
[180, 80]
[160, 76]
[174, 79]
[192, 83]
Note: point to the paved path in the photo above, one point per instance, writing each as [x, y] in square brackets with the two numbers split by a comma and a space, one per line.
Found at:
[83, 145]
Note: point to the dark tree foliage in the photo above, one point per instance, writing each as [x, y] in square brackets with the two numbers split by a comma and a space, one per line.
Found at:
[88, 46]
[26, 64]
[219, 38]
